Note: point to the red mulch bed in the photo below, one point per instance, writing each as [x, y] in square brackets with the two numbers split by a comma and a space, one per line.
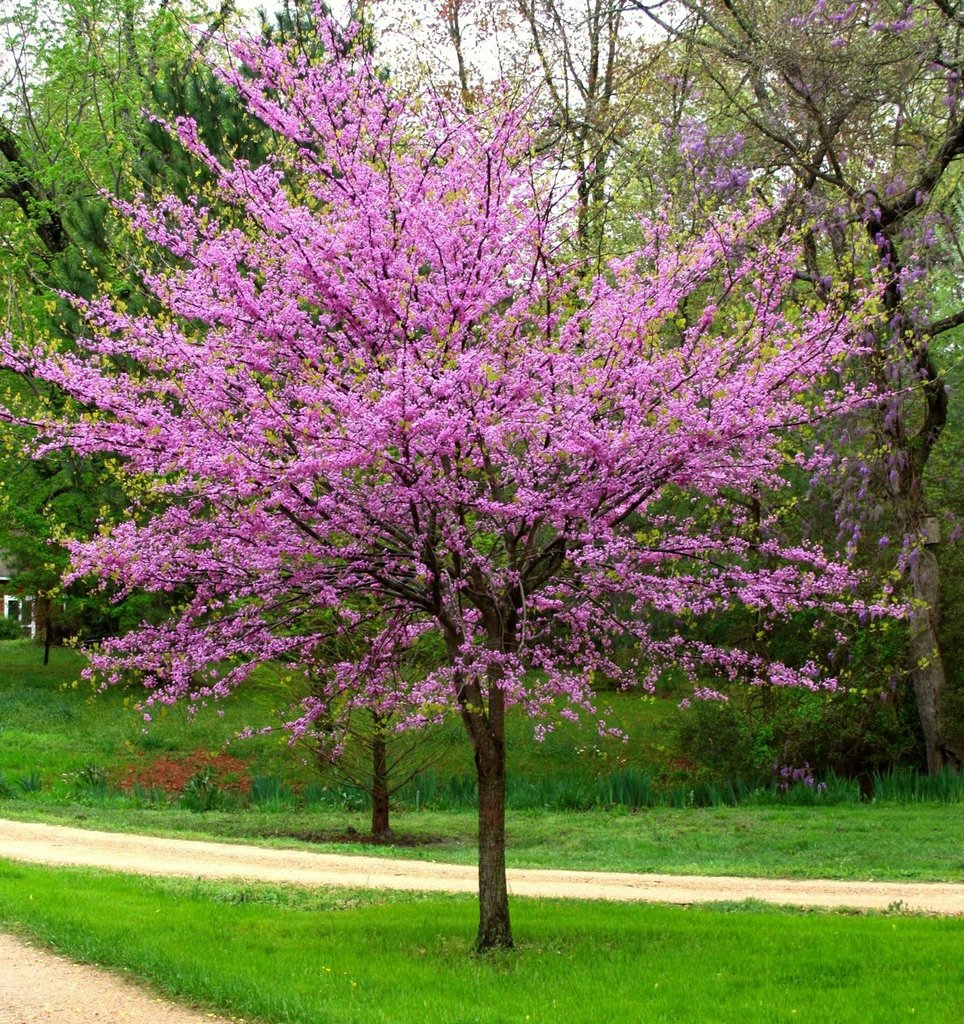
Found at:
[172, 772]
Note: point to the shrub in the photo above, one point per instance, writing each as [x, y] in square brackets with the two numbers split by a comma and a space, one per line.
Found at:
[854, 732]
[202, 793]
[10, 629]
[32, 782]
[725, 740]
[89, 781]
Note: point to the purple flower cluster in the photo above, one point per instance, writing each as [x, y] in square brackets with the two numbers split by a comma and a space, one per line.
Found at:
[789, 776]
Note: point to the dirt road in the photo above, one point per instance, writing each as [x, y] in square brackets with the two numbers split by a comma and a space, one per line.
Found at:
[37, 987]
[147, 855]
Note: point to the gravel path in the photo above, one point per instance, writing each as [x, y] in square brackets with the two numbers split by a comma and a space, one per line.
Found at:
[37, 987]
[147, 855]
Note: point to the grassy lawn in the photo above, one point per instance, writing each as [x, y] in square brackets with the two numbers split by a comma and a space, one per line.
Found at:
[54, 724]
[342, 956]
[897, 842]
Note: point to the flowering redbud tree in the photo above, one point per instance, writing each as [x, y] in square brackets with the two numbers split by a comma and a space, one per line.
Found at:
[372, 380]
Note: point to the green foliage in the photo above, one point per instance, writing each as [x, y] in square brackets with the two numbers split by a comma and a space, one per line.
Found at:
[62, 727]
[344, 798]
[143, 796]
[723, 741]
[88, 782]
[202, 793]
[427, 790]
[83, 73]
[868, 724]
[32, 782]
[904, 785]
[270, 793]
[10, 629]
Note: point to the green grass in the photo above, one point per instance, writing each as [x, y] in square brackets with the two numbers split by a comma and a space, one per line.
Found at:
[56, 724]
[888, 841]
[349, 958]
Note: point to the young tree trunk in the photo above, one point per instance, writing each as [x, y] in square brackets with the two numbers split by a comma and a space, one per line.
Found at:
[48, 614]
[381, 828]
[484, 718]
[495, 931]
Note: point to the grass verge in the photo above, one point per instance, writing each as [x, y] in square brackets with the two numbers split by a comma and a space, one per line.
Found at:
[348, 957]
[898, 842]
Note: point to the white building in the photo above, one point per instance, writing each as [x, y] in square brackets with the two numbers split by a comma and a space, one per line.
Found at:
[16, 606]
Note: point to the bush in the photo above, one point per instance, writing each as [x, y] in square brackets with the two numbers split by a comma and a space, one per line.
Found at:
[10, 629]
[202, 793]
[725, 740]
[89, 781]
[763, 732]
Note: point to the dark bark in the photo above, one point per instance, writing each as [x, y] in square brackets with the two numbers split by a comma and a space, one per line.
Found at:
[495, 931]
[910, 453]
[927, 663]
[799, 98]
[18, 185]
[381, 828]
[46, 617]
[483, 715]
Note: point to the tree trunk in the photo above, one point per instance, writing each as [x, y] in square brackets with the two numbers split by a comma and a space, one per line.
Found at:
[482, 710]
[48, 619]
[927, 664]
[495, 931]
[910, 452]
[380, 824]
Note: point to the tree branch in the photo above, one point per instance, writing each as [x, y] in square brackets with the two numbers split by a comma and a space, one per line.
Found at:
[947, 323]
[28, 195]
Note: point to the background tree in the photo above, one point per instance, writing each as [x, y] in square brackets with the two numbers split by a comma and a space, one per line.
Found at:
[852, 109]
[78, 78]
[857, 109]
[587, 72]
[360, 741]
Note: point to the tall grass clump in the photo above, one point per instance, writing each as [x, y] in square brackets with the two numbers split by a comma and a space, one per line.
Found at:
[634, 789]
[909, 786]
[340, 798]
[202, 793]
[564, 793]
[271, 793]
[88, 782]
[426, 790]
[628, 787]
[32, 782]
